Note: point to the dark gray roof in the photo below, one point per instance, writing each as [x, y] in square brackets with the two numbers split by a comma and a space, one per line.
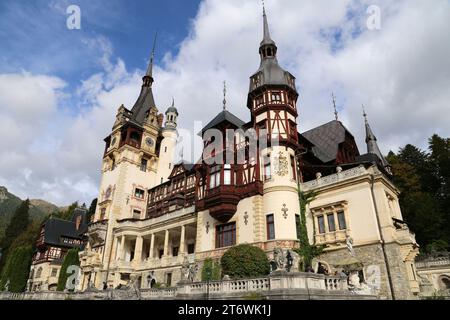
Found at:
[143, 104]
[56, 229]
[326, 139]
[270, 72]
[224, 116]
[372, 145]
[267, 40]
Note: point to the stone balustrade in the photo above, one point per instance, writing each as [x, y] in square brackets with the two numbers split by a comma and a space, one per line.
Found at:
[279, 285]
[337, 177]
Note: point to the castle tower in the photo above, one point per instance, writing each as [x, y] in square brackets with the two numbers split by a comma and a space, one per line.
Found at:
[168, 144]
[129, 169]
[272, 100]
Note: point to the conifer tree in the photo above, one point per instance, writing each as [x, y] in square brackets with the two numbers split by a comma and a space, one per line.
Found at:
[19, 222]
[71, 259]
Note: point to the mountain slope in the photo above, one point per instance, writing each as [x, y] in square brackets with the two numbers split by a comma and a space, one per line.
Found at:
[39, 209]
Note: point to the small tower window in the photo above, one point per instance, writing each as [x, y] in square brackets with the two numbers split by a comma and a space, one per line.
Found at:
[276, 97]
[144, 163]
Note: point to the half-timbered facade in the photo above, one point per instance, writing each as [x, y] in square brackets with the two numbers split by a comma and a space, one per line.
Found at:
[154, 214]
[55, 239]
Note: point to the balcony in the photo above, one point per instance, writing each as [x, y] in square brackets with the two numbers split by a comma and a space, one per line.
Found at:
[339, 236]
[222, 202]
[97, 232]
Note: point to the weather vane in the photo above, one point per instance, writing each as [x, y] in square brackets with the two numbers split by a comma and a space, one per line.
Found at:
[224, 95]
[336, 115]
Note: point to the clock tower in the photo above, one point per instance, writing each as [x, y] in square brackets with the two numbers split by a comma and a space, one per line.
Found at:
[136, 149]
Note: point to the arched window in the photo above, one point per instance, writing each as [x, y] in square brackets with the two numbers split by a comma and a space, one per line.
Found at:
[445, 283]
[39, 272]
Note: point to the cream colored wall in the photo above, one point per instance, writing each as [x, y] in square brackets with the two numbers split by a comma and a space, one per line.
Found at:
[281, 192]
[169, 141]
[360, 210]
[45, 277]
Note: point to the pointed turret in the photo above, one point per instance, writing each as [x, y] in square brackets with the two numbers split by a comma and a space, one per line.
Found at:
[270, 72]
[145, 102]
[372, 145]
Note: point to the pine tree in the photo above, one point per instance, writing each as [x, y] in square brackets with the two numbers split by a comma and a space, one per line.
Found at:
[17, 270]
[71, 259]
[92, 208]
[19, 222]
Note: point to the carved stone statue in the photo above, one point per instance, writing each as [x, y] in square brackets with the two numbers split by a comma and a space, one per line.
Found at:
[279, 260]
[193, 270]
[185, 269]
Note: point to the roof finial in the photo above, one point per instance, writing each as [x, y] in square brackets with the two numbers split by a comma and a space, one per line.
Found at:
[152, 58]
[264, 7]
[224, 95]
[364, 114]
[173, 102]
[336, 114]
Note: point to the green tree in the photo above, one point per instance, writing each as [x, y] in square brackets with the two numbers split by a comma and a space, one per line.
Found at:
[19, 222]
[244, 261]
[17, 269]
[210, 270]
[307, 251]
[66, 214]
[423, 180]
[92, 208]
[71, 259]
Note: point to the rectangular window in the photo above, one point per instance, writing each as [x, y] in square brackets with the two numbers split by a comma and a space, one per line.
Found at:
[321, 223]
[293, 168]
[136, 214]
[270, 221]
[139, 193]
[175, 251]
[214, 178]
[144, 165]
[341, 220]
[267, 169]
[169, 280]
[276, 97]
[297, 225]
[226, 235]
[160, 253]
[54, 272]
[191, 248]
[331, 222]
[102, 214]
[227, 175]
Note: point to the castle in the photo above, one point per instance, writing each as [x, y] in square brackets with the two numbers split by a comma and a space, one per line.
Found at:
[154, 214]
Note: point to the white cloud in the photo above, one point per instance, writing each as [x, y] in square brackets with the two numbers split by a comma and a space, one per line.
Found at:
[401, 73]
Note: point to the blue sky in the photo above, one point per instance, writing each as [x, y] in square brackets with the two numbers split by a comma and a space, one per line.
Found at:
[60, 89]
[35, 38]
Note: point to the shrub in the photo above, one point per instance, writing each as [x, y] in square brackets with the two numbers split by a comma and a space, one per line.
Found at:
[210, 270]
[245, 261]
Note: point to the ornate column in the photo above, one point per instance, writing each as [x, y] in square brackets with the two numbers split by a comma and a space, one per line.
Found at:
[182, 240]
[166, 244]
[152, 246]
[122, 247]
[138, 249]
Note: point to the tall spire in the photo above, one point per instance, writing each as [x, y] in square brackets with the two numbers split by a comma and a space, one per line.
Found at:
[336, 114]
[267, 40]
[148, 78]
[372, 145]
[145, 101]
[224, 95]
